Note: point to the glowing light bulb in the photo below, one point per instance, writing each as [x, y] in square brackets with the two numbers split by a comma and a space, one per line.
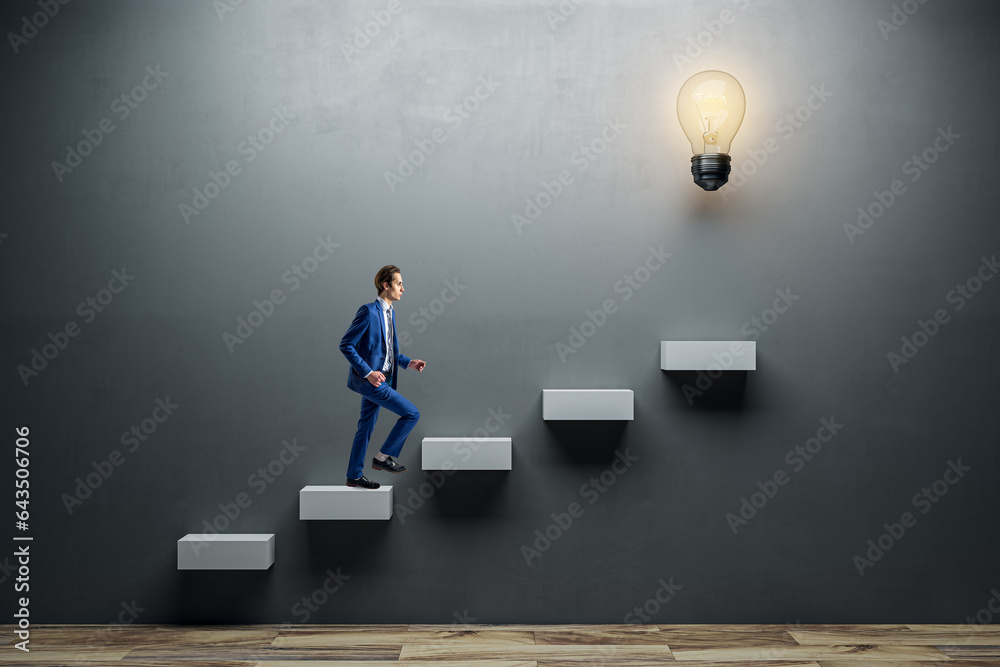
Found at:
[710, 109]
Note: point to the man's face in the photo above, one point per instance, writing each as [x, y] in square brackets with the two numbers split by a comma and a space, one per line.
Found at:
[395, 290]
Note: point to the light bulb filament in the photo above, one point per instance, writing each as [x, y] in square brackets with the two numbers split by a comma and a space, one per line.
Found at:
[717, 100]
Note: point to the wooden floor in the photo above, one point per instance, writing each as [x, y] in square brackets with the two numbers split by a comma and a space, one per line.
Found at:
[507, 645]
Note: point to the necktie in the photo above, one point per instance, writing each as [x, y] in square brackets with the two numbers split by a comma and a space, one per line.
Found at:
[391, 329]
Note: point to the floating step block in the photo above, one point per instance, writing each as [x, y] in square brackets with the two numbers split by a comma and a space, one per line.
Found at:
[225, 552]
[345, 502]
[466, 454]
[708, 355]
[603, 404]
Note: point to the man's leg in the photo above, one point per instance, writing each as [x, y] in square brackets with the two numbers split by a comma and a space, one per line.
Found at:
[390, 399]
[366, 424]
[408, 416]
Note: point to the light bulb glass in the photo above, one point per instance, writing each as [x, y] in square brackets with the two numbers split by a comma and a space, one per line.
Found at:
[710, 108]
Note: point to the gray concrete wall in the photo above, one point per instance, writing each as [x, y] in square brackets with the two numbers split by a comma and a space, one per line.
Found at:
[839, 101]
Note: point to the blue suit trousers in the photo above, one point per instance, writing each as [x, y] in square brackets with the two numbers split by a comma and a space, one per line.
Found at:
[372, 398]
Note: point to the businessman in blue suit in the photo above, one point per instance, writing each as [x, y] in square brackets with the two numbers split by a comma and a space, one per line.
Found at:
[372, 349]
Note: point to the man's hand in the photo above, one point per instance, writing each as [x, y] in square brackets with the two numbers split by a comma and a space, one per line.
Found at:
[417, 364]
[376, 378]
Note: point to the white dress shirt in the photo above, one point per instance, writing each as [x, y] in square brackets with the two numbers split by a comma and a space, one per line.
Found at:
[386, 333]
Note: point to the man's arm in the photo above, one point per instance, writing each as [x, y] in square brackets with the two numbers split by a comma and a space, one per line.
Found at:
[406, 362]
[353, 336]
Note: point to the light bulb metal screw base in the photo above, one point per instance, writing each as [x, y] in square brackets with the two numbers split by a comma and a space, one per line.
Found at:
[711, 170]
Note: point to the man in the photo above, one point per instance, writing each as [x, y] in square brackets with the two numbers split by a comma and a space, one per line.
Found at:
[372, 349]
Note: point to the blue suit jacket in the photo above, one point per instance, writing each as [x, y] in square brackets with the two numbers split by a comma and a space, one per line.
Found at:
[364, 346]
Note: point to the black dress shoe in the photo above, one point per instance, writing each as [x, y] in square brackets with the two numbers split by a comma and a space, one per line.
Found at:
[388, 465]
[363, 482]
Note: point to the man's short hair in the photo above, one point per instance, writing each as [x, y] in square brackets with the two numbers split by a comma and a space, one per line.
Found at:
[385, 275]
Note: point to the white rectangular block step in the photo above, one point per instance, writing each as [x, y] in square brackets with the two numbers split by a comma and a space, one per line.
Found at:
[708, 355]
[208, 551]
[345, 502]
[465, 454]
[603, 404]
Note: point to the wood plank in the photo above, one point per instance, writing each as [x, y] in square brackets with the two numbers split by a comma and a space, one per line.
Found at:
[147, 663]
[292, 629]
[613, 654]
[148, 635]
[260, 653]
[787, 627]
[965, 628]
[909, 663]
[48, 662]
[910, 638]
[691, 638]
[202, 635]
[90, 636]
[863, 653]
[739, 663]
[606, 636]
[649, 662]
[972, 652]
[321, 639]
[62, 655]
[540, 628]
[381, 663]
